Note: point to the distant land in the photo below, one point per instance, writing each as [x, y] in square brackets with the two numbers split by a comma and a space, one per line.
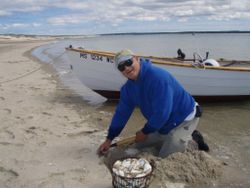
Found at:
[177, 32]
[127, 33]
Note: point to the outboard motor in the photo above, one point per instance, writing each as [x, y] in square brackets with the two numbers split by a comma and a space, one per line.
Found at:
[211, 62]
[198, 60]
[207, 53]
[180, 54]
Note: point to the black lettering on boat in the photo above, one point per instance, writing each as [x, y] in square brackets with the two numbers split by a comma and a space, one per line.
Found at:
[83, 55]
[109, 60]
[96, 57]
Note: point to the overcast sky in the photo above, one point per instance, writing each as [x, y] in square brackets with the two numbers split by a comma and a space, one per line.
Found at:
[118, 16]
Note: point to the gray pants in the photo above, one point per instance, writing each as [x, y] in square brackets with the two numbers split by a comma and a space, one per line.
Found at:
[175, 141]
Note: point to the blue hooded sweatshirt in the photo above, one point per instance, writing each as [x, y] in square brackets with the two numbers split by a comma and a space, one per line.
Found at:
[162, 100]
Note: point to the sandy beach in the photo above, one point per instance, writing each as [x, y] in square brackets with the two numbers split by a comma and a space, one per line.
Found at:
[49, 137]
[45, 138]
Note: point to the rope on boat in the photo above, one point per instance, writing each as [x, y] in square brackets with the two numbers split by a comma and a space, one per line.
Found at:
[28, 73]
[229, 64]
[199, 66]
[24, 75]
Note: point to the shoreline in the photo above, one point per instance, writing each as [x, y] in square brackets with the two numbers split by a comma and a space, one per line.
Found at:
[130, 33]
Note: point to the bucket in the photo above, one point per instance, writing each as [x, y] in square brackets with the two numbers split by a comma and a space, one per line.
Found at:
[130, 173]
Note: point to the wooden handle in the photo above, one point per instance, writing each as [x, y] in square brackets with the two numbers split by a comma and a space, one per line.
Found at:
[123, 142]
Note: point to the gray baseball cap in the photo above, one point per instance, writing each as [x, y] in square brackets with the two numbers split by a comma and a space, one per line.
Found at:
[122, 56]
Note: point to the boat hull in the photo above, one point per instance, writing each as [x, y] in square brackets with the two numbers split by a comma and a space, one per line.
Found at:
[97, 71]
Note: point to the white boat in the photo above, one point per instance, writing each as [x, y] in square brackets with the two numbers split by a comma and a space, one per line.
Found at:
[96, 70]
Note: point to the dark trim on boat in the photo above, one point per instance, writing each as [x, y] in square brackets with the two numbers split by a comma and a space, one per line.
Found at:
[115, 95]
[221, 98]
[112, 95]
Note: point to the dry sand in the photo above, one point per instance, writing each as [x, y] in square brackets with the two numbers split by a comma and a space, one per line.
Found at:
[48, 139]
[45, 137]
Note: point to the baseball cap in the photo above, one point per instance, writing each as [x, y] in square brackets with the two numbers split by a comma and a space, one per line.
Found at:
[122, 56]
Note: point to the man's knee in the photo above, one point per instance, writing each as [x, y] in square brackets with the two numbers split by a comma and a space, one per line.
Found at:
[173, 145]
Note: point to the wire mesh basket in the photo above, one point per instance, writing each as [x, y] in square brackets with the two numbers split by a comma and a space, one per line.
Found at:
[144, 181]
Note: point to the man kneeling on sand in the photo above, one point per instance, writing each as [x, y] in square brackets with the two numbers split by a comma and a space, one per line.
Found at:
[171, 112]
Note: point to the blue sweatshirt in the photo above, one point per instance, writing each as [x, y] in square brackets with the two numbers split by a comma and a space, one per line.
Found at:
[162, 100]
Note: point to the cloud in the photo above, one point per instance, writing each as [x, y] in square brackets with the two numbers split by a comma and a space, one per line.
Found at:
[20, 25]
[135, 9]
[73, 5]
[226, 16]
[15, 25]
[117, 14]
[20, 6]
[36, 24]
[4, 13]
[39, 5]
[62, 20]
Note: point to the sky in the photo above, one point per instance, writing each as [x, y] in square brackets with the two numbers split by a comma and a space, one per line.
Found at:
[87, 17]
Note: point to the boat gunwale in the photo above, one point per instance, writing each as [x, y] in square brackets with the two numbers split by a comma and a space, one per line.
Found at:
[158, 60]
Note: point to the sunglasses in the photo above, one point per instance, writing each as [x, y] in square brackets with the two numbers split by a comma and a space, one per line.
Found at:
[127, 63]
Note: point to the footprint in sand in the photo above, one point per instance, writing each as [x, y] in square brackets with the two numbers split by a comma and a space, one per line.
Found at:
[42, 143]
[80, 153]
[31, 130]
[36, 131]
[47, 131]
[2, 98]
[9, 134]
[78, 174]
[6, 137]
[7, 110]
[20, 119]
[57, 179]
[66, 117]
[35, 88]
[55, 183]
[30, 117]
[46, 113]
[7, 175]
[13, 62]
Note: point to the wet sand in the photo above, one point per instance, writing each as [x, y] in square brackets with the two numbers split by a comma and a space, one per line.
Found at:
[49, 135]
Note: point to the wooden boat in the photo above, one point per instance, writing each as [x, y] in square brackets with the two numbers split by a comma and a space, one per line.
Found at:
[96, 70]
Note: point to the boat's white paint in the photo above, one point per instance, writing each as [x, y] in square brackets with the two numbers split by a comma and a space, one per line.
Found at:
[99, 73]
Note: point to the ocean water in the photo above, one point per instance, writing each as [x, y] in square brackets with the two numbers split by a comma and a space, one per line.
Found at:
[225, 126]
[220, 45]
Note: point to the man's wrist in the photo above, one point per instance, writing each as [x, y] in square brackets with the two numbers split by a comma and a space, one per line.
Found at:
[108, 140]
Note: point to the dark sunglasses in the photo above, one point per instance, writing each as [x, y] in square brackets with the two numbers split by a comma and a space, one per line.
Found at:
[127, 63]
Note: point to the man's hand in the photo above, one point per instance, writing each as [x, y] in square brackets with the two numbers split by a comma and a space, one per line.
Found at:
[104, 147]
[140, 136]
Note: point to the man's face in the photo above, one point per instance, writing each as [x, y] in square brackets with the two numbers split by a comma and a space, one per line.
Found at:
[131, 72]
